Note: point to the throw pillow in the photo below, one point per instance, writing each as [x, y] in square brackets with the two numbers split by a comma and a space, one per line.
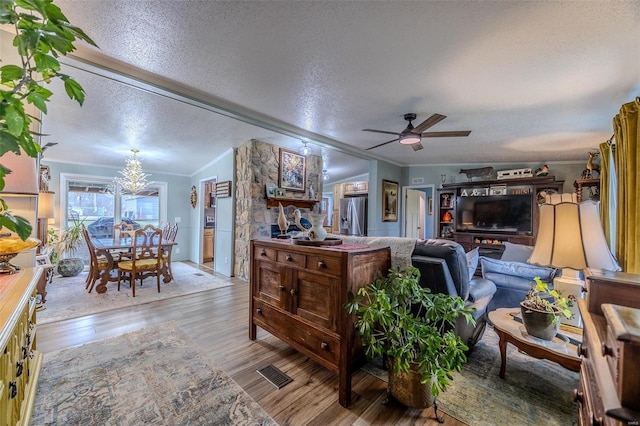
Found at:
[516, 252]
[472, 261]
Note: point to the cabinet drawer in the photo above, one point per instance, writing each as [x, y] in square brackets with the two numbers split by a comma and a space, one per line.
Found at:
[264, 253]
[312, 342]
[291, 258]
[327, 265]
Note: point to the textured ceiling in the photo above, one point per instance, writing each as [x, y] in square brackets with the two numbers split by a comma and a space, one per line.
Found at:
[533, 81]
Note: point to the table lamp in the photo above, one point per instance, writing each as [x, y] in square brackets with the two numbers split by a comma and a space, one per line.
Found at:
[570, 237]
[45, 212]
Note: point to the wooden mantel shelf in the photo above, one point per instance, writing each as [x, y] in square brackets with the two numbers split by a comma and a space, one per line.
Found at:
[303, 204]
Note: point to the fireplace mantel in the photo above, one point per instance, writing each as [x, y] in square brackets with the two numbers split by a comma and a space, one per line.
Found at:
[302, 204]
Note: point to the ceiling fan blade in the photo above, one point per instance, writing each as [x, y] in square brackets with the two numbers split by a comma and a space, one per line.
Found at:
[434, 119]
[450, 134]
[384, 143]
[417, 146]
[381, 131]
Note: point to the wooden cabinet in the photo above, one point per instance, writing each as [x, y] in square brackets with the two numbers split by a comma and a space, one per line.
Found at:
[20, 362]
[298, 292]
[456, 220]
[355, 188]
[207, 245]
[608, 392]
[338, 195]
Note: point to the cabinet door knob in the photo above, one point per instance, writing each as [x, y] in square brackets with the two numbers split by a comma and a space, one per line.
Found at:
[325, 346]
[293, 291]
[263, 252]
[578, 396]
[582, 351]
[13, 389]
[606, 350]
[322, 264]
[289, 258]
[258, 310]
[281, 287]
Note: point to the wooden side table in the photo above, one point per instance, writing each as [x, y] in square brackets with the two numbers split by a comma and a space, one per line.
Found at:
[509, 328]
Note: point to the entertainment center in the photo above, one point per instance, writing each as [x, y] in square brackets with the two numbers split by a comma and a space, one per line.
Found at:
[488, 213]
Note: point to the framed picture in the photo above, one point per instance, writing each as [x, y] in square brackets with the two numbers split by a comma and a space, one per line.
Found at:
[280, 192]
[430, 205]
[292, 171]
[270, 190]
[389, 201]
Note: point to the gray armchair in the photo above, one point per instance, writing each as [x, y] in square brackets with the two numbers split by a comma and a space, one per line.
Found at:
[443, 269]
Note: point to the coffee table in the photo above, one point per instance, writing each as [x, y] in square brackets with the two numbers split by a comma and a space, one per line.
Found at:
[563, 349]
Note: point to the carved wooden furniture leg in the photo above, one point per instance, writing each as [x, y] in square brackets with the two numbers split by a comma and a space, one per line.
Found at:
[503, 352]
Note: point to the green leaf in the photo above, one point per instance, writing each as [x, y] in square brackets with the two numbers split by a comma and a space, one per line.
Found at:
[17, 224]
[10, 73]
[14, 120]
[46, 62]
[74, 90]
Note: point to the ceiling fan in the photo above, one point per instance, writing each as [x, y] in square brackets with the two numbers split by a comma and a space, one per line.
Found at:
[413, 135]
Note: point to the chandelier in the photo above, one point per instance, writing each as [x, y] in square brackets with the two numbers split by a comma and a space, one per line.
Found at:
[134, 179]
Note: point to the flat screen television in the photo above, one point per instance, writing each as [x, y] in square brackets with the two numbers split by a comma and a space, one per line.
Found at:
[495, 213]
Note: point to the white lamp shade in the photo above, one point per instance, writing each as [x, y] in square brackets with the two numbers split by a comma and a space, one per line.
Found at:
[45, 205]
[570, 235]
[23, 178]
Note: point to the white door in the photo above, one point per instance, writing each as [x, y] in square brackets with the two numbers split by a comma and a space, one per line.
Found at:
[414, 227]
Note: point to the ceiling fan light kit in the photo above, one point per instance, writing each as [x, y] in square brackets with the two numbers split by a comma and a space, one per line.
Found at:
[413, 135]
[305, 150]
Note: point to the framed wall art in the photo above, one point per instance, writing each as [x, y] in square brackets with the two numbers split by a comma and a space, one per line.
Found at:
[389, 201]
[280, 192]
[292, 171]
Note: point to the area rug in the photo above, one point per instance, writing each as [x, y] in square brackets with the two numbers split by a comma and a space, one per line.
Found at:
[534, 392]
[67, 297]
[153, 376]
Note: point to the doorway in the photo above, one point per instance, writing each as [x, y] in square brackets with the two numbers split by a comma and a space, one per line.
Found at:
[418, 218]
[208, 220]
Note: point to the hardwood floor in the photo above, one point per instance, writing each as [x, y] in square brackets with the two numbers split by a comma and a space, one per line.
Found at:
[218, 321]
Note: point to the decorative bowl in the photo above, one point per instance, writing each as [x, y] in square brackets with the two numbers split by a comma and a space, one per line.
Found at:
[9, 248]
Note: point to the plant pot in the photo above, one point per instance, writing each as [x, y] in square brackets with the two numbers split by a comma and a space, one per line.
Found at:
[407, 388]
[70, 267]
[543, 325]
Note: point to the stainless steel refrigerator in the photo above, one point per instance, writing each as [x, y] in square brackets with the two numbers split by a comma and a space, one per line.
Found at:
[353, 216]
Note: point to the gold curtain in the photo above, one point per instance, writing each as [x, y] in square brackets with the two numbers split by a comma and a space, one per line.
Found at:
[626, 156]
[605, 169]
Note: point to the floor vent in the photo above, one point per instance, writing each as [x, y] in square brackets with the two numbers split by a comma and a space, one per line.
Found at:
[199, 274]
[276, 377]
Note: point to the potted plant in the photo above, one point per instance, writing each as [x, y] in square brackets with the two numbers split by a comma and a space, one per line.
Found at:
[70, 241]
[414, 328]
[42, 34]
[541, 310]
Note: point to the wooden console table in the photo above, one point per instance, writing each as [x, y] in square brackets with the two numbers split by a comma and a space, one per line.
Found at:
[298, 292]
[509, 330]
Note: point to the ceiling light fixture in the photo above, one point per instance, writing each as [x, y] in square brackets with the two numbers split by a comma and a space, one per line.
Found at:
[305, 150]
[325, 175]
[410, 138]
[134, 179]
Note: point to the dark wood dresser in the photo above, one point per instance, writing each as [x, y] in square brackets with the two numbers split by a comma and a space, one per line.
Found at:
[298, 292]
[609, 388]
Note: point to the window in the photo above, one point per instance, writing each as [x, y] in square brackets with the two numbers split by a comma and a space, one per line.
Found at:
[100, 203]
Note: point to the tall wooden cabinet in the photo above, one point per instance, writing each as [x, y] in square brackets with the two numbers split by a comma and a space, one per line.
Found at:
[298, 292]
[20, 362]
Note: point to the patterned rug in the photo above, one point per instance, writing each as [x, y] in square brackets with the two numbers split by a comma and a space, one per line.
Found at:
[67, 297]
[153, 376]
[534, 392]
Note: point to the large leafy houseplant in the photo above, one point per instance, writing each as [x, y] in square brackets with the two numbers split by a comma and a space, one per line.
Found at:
[71, 238]
[397, 317]
[43, 33]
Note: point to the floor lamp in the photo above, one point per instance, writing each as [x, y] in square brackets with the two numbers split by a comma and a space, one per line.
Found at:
[570, 237]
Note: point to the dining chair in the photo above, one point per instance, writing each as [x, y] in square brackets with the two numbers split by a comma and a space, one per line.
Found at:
[99, 261]
[146, 257]
[169, 234]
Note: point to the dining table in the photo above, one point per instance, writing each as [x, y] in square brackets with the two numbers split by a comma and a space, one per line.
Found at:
[119, 247]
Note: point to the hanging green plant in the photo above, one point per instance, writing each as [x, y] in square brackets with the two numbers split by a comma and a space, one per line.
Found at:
[43, 33]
